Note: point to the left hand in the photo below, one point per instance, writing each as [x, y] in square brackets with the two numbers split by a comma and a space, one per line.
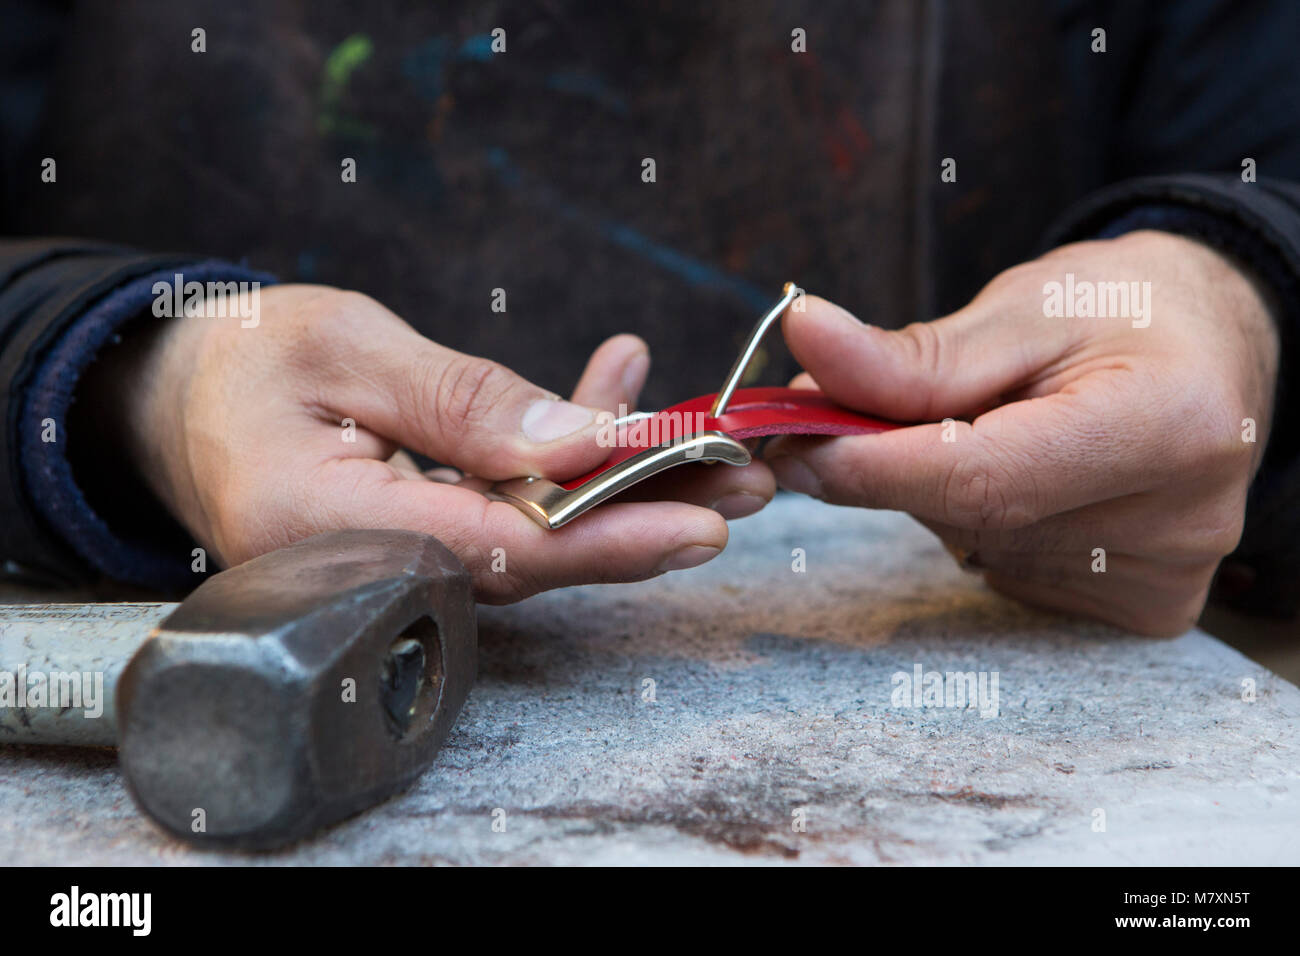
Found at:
[612, 381]
[1125, 434]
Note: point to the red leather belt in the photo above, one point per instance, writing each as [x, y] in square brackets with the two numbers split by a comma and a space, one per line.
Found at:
[709, 428]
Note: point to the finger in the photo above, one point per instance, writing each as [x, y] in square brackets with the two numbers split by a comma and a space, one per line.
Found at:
[733, 492]
[950, 367]
[615, 375]
[509, 556]
[1011, 467]
[447, 476]
[460, 409]
[1183, 525]
[405, 465]
[613, 380]
[1133, 593]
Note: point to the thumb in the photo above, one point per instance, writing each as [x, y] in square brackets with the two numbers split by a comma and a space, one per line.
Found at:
[465, 411]
[953, 366]
[614, 375]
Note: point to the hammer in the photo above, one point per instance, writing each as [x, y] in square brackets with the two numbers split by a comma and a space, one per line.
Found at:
[282, 695]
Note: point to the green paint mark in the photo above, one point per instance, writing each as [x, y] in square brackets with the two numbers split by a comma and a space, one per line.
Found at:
[343, 61]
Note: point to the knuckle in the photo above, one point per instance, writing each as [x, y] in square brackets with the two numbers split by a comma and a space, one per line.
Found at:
[479, 539]
[327, 309]
[345, 305]
[1210, 437]
[924, 347]
[519, 584]
[982, 493]
[1018, 275]
[322, 327]
[1222, 529]
[465, 390]
[1183, 596]
[1176, 618]
[503, 587]
[1023, 281]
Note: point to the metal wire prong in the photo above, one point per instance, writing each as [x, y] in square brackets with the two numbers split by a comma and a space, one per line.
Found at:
[751, 346]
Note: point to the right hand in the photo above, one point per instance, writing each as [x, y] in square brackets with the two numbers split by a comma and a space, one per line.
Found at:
[239, 431]
[1095, 466]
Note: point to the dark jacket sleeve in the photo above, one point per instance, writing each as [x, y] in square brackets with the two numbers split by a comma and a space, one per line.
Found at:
[61, 302]
[1186, 94]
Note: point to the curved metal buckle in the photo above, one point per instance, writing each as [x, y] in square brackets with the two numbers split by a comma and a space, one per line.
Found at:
[552, 505]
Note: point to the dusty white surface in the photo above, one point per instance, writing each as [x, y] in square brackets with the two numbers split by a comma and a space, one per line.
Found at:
[772, 694]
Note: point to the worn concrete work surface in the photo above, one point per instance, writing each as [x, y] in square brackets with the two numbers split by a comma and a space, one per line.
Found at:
[748, 712]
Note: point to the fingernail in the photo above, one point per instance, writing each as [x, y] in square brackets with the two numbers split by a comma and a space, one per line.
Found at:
[692, 556]
[546, 420]
[634, 373]
[793, 475]
[738, 505]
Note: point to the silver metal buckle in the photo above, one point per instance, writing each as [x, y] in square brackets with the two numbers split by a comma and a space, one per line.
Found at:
[551, 506]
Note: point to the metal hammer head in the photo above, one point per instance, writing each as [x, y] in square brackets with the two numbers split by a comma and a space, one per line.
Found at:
[298, 688]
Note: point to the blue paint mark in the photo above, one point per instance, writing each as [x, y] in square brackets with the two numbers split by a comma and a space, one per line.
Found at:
[587, 85]
[692, 270]
[478, 48]
[686, 267]
[424, 67]
[499, 160]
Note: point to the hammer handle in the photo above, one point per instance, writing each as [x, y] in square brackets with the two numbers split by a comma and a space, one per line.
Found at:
[59, 665]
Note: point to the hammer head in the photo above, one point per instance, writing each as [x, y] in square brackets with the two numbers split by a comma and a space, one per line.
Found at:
[298, 688]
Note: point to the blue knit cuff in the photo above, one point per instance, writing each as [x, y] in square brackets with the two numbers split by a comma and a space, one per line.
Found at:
[125, 554]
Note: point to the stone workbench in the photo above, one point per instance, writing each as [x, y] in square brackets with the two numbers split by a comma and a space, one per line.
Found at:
[747, 712]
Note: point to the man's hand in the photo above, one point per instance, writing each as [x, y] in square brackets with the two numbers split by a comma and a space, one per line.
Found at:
[256, 437]
[1079, 434]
